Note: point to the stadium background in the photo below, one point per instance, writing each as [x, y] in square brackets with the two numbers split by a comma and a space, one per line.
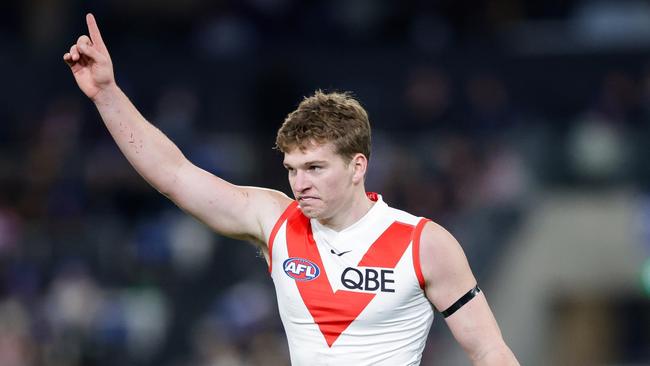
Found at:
[522, 126]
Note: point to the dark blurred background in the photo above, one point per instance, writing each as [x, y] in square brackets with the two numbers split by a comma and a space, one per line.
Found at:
[521, 126]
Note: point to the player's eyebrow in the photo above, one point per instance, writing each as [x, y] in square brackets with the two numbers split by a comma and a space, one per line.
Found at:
[315, 162]
[307, 163]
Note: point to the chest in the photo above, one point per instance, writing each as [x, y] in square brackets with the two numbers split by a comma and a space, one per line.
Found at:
[349, 273]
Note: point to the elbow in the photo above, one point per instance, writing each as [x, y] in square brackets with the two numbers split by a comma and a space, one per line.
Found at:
[496, 353]
[168, 181]
[168, 187]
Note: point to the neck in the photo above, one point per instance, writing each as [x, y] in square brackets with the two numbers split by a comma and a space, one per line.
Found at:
[351, 212]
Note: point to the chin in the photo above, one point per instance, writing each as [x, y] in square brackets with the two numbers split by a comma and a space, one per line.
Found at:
[311, 212]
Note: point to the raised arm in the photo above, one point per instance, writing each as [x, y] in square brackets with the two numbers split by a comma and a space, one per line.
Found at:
[240, 212]
[447, 278]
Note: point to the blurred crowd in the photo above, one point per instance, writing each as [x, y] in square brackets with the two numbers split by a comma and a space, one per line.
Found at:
[97, 268]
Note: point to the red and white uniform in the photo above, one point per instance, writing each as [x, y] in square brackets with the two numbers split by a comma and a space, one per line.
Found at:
[353, 297]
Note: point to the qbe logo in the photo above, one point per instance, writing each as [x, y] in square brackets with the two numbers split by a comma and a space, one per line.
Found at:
[368, 279]
[301, 269]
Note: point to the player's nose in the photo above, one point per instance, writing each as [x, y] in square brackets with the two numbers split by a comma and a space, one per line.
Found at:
[301, 182]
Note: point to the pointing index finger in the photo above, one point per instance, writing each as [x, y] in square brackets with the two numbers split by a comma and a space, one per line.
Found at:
[93, 30]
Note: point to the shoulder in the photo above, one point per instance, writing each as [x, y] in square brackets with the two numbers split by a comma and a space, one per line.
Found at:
[445, 268]
[269, 206]
[431, 234]
[434, 240]
[435, 237]
[401, 216]
[269, 199]
[439, 249]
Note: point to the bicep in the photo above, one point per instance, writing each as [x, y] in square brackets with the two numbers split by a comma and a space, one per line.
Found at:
[446, 272]
[448, 277]
[231, 210]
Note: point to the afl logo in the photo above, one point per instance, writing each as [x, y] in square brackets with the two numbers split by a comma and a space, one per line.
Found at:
[301, 269]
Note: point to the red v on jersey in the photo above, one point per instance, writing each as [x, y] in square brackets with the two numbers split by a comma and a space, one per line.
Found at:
[333, 311]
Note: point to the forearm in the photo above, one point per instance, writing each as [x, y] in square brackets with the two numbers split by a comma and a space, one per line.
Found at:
[154, 156]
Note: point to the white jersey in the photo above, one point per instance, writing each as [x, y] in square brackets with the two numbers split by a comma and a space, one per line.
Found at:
[353, 297]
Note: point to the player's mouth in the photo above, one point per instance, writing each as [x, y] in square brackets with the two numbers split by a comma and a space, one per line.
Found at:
[306, 199]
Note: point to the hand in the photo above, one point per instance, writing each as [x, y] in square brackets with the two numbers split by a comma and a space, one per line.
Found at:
[90, 61]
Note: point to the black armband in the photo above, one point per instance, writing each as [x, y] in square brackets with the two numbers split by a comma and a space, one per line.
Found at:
[462, 301]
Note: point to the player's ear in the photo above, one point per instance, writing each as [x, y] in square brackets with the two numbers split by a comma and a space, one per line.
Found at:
[359, 164]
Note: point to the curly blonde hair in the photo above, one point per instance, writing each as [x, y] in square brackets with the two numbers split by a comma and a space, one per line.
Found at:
[335, 117]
